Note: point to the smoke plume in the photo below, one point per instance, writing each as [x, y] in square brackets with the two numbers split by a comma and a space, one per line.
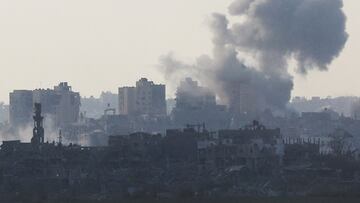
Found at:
[268, 33]
[25, 133]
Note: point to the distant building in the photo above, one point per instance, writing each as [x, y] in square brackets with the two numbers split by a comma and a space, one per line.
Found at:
[94, 107]
[135, 144]
[67, 111]
[146, 98]
[150, 98]
[342, 105]
[245, 101]
[316, 116]
[116, 124]
[60, 104]
[254, 146]
[4, 113]
[21, 105]
[190, 95]
[91, 107]
[197, 105]
[109, 99]
[127, 101]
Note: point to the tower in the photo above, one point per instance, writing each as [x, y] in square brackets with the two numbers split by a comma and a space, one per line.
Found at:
[38, 131]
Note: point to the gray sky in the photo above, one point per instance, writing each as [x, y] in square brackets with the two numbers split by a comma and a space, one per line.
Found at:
[100, 45]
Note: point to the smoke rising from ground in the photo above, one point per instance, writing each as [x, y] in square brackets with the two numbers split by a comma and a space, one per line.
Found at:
[25, 133]
[270, 33]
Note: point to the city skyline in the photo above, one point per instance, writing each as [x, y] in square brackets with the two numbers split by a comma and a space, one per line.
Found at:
[185, 101]
[107, 46]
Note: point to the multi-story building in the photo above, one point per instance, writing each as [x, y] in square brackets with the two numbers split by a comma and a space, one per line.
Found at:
[109, 99]
[21, 107]
[94, 107]
[68, 108]
[245, 101]
[60, 104]
[146, 98]
[127, 100]
[196, 104]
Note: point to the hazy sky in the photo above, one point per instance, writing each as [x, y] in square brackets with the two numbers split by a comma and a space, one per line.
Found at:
[100, 45]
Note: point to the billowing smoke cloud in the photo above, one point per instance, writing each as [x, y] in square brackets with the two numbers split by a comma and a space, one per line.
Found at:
[270, 33]
[311, 31]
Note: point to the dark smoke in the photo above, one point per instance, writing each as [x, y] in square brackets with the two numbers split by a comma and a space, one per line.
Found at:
[270, 32]
[311, 31]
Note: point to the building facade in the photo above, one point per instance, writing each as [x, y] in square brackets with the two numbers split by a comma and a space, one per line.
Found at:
[146, 98]
[68, 108]
[21, 106]
[61, 105]
[245, 100]
[126, 100]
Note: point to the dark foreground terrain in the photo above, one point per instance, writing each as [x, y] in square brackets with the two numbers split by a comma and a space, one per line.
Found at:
[195, 200]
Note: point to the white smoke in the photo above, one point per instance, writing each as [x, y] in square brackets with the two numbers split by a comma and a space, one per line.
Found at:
[25, 133]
